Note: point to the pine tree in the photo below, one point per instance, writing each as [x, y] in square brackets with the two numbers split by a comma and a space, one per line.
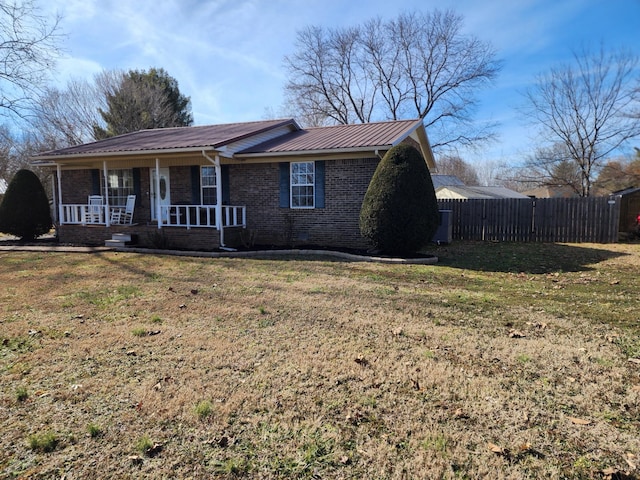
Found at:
[144, 100]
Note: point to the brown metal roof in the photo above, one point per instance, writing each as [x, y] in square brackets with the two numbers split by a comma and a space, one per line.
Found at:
[338, 137]
[364, 137]
[172, 138]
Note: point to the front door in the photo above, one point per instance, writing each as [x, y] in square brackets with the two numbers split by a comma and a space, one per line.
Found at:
[164, 193]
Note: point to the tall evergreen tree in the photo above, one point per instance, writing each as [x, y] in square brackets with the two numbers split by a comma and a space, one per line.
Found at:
[399, 213]
[144, 100]
[24, 210]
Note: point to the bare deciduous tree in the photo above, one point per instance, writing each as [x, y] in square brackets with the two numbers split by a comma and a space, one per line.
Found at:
[619, 174]
[28, 50]
[584, 112]
[7, 147]
[16, 149]
[328, 83]
[550, 167]
[66, 116]
[419, 65]
[454, 165]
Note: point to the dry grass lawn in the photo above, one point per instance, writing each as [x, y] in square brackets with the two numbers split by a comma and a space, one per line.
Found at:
[501, 361]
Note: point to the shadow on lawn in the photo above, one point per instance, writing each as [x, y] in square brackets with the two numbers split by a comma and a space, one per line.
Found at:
[522, 257]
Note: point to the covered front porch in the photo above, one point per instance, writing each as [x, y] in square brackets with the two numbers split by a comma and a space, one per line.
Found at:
[163, 194]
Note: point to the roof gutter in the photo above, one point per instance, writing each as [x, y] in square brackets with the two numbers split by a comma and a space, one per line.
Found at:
[125, 153]
[373, 148]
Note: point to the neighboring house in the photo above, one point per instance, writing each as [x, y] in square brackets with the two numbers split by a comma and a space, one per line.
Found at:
[468, 193]
[3, 188]
[629, 199]
[267, 182]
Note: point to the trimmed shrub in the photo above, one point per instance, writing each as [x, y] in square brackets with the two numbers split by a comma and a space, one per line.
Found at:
[24, 210]
[399, 214]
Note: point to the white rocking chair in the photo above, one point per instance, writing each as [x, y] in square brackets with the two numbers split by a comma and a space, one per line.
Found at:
[95, 210]
[124, 216]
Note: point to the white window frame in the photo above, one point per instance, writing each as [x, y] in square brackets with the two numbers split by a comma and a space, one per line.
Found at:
[298, 179]
[119, 185]
[208, 186]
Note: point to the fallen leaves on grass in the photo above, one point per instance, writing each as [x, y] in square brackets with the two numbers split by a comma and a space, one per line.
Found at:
[362, 361]
[516, 334]
[537, 325]
[579, 421]
[497, 449]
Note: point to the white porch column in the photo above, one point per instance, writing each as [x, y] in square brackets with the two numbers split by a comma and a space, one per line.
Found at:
[107, 208]
[158, 199]
[60, 212]
[218, 170]
[219, 220]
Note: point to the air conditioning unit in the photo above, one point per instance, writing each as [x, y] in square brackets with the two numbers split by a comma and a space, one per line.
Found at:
[444, 232]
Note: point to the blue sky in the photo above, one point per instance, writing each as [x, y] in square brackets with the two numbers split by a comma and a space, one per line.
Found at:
[227, 55]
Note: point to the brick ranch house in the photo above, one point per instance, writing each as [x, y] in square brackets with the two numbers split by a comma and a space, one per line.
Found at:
[224, 186]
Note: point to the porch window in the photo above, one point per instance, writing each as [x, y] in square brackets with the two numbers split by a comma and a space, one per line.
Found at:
[119, 186]
[302, 184]
[208, 185]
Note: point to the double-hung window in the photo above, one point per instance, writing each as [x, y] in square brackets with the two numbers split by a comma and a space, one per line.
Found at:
[303, 178]
[119, 186]
[208, 185]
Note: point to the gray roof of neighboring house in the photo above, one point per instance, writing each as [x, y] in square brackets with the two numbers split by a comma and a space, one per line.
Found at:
[445, 180]
[465, 192]
[626, 191]
[3, 186]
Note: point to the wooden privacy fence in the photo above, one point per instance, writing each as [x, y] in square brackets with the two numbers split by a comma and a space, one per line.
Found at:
[593, 219]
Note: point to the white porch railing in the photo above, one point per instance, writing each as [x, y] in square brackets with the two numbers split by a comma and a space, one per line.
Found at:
[83, 214]
[202, 216]
[172, 215]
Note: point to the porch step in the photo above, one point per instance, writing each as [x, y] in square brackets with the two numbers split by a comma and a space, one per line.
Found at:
[118, 240]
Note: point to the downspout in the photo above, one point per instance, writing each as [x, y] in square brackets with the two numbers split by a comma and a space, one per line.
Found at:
[60, 212]
[158, 199]
[218, 169]
[53, 199]
[106, 193]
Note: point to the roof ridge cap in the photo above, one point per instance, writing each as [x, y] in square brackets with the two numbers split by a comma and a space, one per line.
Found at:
[275, 120]
[406, 120]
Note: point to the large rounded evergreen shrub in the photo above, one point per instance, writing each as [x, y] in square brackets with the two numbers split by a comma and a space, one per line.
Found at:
[24, 210]
[399, 213]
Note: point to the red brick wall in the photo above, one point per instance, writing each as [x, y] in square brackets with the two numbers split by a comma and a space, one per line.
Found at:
[346, 182]
[180, 178]
[150, 236]
[76, 186]
[142, 212]
[257, 187]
